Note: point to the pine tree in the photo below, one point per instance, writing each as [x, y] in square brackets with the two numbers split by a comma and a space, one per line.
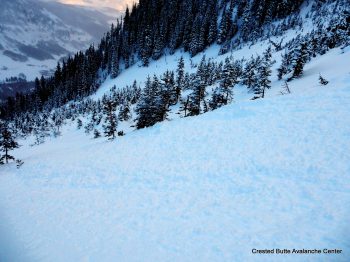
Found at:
[146, 50]
[247, 22]
[111, 123]
[124, 112]
[114, 62]
[300, 59]
[217, 99]
[225, 27]
[158, 45]
[167, 95]
[213, 31]
[224, 93]
[197, 104]
[169, 84]
[40, 129]
[146, 109]
[7, 143]
[285, 67]
[264, 74]
[197, 39]
[249, 77]
[136, 93]
[180, 78]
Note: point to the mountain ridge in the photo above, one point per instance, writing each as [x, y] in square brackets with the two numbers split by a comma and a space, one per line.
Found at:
[35, 35]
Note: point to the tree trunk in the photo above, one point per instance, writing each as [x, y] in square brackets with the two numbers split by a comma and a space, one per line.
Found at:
[6, 155]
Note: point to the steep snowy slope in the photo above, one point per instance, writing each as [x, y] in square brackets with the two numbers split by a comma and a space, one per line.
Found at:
[34, 35]
[255, 174]
[264, 174]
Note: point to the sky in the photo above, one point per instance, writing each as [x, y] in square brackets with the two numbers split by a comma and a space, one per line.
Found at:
[116, 4]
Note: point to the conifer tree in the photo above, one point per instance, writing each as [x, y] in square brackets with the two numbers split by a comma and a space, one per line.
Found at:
[224, 93]
[249, 77]
[300, 59]
[180, 77]
[213, 31]
[111, 122]
[40, 129]
[114, 62]
[158, 45]
[225, 26]
[285, 65]
[124, 112]
[197, 103]
[146, 109]
[146, 49]
[264, 74]
[7, 143]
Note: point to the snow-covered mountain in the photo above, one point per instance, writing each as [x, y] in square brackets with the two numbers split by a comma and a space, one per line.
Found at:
[34, 35]
[269, 169]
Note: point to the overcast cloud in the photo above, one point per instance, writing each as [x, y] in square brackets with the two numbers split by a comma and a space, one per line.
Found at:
[116, 4]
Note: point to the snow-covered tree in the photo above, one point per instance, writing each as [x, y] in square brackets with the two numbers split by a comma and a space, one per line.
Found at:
[7, 143]
[264, 74]
[111, 122]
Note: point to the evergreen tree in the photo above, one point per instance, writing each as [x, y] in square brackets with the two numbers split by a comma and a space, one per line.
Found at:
[197, 102]
[40, 129]
[264, 74]
[146, 49]
[213, 31]
[225, 26]
[180, 78]
[124, 112]
[224, 93]
[300, 59]
[146, 108]
[158, 44]
[114, 62]
[249, 77]
[285, 67]
[110, 126]
[7, 143]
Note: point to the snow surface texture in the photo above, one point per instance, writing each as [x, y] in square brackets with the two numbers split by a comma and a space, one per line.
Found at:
[270, 173]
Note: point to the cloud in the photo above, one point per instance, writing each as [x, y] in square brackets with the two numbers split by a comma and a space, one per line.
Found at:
[116, 4]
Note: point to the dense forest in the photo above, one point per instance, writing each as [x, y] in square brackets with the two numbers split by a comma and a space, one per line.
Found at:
[148, 30]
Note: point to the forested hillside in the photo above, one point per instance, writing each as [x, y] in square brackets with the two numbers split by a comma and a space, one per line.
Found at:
[149, 31]
[153, 28]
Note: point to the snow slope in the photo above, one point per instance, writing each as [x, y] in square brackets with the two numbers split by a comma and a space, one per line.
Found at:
[270, 173]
